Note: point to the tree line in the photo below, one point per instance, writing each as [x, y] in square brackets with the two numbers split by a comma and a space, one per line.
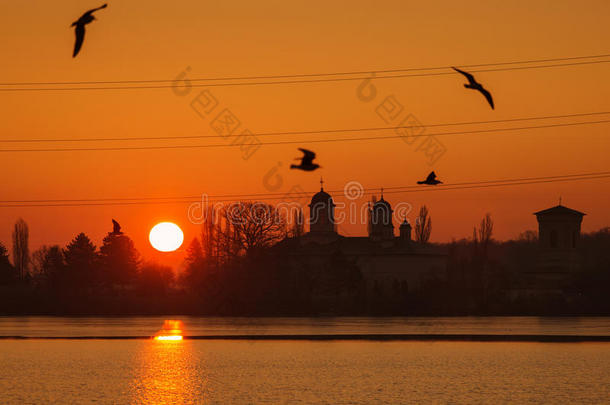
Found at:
[239, 265]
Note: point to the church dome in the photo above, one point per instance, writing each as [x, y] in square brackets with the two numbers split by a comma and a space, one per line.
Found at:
[322, 213]
[382, 204]
[322, 197]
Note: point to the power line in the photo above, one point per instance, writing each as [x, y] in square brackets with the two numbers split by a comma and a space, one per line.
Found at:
[323, 131]
[279, 196]
[506, 184]
[306, 141]
[338, 79]
[301, 75]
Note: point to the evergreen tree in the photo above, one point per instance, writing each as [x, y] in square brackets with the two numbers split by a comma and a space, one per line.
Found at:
[82, 261]
[155, 279]
[119, 260]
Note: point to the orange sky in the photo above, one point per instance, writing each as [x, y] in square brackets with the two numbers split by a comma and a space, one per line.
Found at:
[155, 40]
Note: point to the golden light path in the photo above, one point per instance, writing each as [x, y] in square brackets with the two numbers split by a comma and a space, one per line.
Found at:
[178, 337]
[167, 371]
[172, 330]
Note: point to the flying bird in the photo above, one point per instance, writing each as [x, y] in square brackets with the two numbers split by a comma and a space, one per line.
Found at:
[307, 163]
[116, 228]
[431, 180]
[474, 85]
[80, 28]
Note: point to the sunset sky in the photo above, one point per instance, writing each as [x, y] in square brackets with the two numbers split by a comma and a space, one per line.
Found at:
[149, 40]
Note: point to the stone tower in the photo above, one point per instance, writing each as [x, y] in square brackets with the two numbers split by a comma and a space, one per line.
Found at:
[558, 235]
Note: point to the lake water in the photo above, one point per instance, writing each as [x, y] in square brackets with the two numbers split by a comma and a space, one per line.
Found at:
[338, 372]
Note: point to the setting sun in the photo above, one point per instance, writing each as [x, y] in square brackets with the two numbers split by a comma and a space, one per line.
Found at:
[166, 237]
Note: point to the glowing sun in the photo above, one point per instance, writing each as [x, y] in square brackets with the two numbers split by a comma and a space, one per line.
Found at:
[166, 237]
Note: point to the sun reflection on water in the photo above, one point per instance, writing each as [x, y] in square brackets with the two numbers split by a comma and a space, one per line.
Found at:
[167, 372]
[168, 337]
[171, 330]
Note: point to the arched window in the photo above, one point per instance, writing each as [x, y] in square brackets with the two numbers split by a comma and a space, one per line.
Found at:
[553, 238]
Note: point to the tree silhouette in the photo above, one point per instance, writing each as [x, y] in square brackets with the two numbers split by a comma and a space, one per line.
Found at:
[298, 227]
[82, 261]
[423, 225]
[21, 252]
[37, 261]
[7, 271]
[155, 279]
[119, 260]
[195, 265]
[51, 267]
[210, 243]
[485, 232]
[254, 225]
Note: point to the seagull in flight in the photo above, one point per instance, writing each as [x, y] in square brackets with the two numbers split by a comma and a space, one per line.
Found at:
[307, 163]
[474, 85]
[80, 28]
[431, 180]
[116, 228]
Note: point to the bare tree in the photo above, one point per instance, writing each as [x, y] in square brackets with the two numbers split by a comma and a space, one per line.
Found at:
[528, 236]
[38, 262]
[209, 236]
[423, 225]
[485, 232]
[253, 225]
[21, 251]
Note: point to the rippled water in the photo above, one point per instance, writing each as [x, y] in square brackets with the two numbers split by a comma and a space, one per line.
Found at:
[309, 372]
[224, 372]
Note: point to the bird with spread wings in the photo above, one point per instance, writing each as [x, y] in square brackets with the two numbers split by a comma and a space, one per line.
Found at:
[307, 163]
[474, 85]
[79, 29]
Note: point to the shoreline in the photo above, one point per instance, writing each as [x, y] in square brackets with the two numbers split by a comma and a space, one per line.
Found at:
[353, 337]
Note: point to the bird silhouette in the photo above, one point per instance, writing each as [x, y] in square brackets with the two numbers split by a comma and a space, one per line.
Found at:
[79, 29]
[116, 228]
[307, 163]
[431, 180]
[474, 85]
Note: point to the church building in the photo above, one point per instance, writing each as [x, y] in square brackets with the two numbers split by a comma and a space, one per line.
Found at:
[389, 264]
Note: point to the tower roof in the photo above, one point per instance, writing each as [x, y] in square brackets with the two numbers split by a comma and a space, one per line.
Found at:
[405, 224]
[382, 203]
[559, 210]
[321, 196]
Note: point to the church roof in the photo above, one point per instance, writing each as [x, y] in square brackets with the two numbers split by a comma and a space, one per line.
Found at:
[382, 203]
[321, 197]
[405, 223]
[559, 210]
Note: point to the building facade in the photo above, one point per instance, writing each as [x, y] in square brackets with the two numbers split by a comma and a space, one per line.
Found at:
[388, 264]
[557, 262]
